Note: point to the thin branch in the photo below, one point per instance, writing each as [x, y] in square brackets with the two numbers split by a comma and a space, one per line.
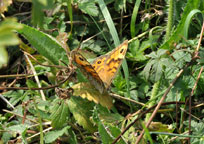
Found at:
[182, 109]
[57, 66]
[200, 39]
[192, 92]
[127, 99]
[198, 105]
[37, 124]
[42, 88]
[39, 133]
[84, 41]
[16, 75]
[36, 77]
[4, 99]
[19, 115]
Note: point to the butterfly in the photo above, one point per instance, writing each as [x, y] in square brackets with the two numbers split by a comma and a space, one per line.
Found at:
[104, 68]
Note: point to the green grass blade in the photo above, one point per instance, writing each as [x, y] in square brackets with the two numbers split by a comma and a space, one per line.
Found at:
[115, 37]
[40, 123]
[109, 22]
[178, 135]
[188, 21]
[134, 17]
[100, 31]
[147, 133]
[69, 7]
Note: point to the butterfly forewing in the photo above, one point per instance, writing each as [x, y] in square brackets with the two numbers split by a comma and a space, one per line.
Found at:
[107, 65]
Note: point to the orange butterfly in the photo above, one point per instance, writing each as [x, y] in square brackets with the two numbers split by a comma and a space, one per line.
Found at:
[104, 68]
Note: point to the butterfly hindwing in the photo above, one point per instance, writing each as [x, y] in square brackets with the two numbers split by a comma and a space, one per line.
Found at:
[88, 71]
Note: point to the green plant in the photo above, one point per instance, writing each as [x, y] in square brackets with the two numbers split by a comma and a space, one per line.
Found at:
[47, 99]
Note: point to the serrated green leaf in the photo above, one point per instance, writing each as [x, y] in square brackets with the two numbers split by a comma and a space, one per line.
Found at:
[110, 117]
[54, 107]
[73, 138]
[154, 68]
[42, 107]
[6, 136]
[44, 44]
[147, 69]
[134, 94]
[106, 116]
[161, 52]
[119, 83]
[15, 96]
[89, 7]
[31, 84]
[181, 58]
[171, 95]
[18, 128]
[158, 70]
[152, 55]
[201, 54]
[136, 51]
[81, 110]
[105, 136]
[134, 46]
[59, 115]
[53, 135]
[115, 132]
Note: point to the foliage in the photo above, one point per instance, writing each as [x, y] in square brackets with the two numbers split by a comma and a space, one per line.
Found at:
[35, 47]
[7, 38]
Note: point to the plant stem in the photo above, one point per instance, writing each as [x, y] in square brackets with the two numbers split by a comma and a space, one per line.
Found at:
[153, 95]
[170, 19]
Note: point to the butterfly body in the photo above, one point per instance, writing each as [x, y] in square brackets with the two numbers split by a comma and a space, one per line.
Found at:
[104, 68]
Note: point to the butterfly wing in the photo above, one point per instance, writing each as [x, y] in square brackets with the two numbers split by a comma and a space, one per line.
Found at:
[106, 66]
[87, 69]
